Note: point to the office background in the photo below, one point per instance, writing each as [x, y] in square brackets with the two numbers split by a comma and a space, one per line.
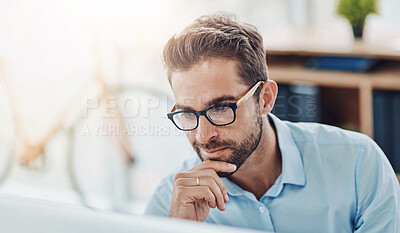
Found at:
[83, 92]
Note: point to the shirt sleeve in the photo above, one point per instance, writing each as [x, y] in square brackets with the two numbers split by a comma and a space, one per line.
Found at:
[160, 201]
[377, 193]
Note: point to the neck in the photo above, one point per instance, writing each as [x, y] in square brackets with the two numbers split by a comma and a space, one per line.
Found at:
[263, 166]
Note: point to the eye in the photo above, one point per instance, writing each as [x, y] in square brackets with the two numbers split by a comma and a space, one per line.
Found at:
[221, 114]
[219, 108]
[187, 115]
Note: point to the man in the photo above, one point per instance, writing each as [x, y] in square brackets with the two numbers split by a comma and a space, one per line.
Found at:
[254, 170]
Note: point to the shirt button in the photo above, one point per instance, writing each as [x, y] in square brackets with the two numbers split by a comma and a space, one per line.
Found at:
[262, 209]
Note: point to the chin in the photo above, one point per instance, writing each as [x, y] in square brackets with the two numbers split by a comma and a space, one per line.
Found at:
[221, 174]
[220, 158]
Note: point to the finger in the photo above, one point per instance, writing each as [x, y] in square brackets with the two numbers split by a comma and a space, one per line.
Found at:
[201, 192]
[215, 189]
[206, 172]
[218, 166]
[218, 181]
[205, 181]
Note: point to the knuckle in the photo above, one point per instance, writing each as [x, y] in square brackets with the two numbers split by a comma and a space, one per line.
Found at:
[205, 190]
[210, 171]
[207, 180]
[217, 177]
[178, 175]
[210, 196]
[207, 162]
[190, 172]
[178, 181]
[180, 190]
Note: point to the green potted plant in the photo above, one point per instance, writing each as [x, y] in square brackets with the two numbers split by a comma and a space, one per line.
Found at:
[356, 11]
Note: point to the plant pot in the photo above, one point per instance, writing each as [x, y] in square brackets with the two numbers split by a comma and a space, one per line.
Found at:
[358, 31]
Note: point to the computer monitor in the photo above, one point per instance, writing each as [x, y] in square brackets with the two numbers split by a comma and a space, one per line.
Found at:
[25, 215]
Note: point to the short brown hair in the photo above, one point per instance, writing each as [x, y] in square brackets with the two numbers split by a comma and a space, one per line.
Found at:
[218, 36]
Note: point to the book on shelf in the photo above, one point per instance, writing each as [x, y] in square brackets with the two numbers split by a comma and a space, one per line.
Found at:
[396, 131]
[384, 124]
[298, 103]
[354, 64]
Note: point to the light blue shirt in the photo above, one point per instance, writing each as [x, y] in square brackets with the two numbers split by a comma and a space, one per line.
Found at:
[332, 180]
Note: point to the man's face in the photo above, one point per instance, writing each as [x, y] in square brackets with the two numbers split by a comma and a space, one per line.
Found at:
[211, 83]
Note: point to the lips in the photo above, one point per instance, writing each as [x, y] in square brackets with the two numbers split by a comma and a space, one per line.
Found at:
[214, 153]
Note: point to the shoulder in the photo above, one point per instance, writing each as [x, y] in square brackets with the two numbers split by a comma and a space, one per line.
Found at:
[354, 150]
[331, 140]
[326, 134]
[330, 146]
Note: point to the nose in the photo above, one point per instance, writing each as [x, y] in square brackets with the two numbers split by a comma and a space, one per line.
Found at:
[205, 130]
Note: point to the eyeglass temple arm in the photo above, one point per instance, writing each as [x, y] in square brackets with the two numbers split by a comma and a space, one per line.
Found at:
[249, 94]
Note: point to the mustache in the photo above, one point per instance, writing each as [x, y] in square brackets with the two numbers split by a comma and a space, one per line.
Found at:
[214, 144]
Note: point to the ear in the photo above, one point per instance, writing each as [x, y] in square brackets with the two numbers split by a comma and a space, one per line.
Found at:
[268, 96]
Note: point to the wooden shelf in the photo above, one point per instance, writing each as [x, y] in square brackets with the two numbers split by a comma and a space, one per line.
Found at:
[288, 66]
[385, 77]
[314, 45]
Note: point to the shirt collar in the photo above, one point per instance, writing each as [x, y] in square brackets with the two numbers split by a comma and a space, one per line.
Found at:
[292, 164]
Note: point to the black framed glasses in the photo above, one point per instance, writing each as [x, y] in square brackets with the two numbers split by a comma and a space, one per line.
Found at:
[218, 115]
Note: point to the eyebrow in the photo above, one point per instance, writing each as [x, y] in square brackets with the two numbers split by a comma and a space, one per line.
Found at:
[210, 103]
